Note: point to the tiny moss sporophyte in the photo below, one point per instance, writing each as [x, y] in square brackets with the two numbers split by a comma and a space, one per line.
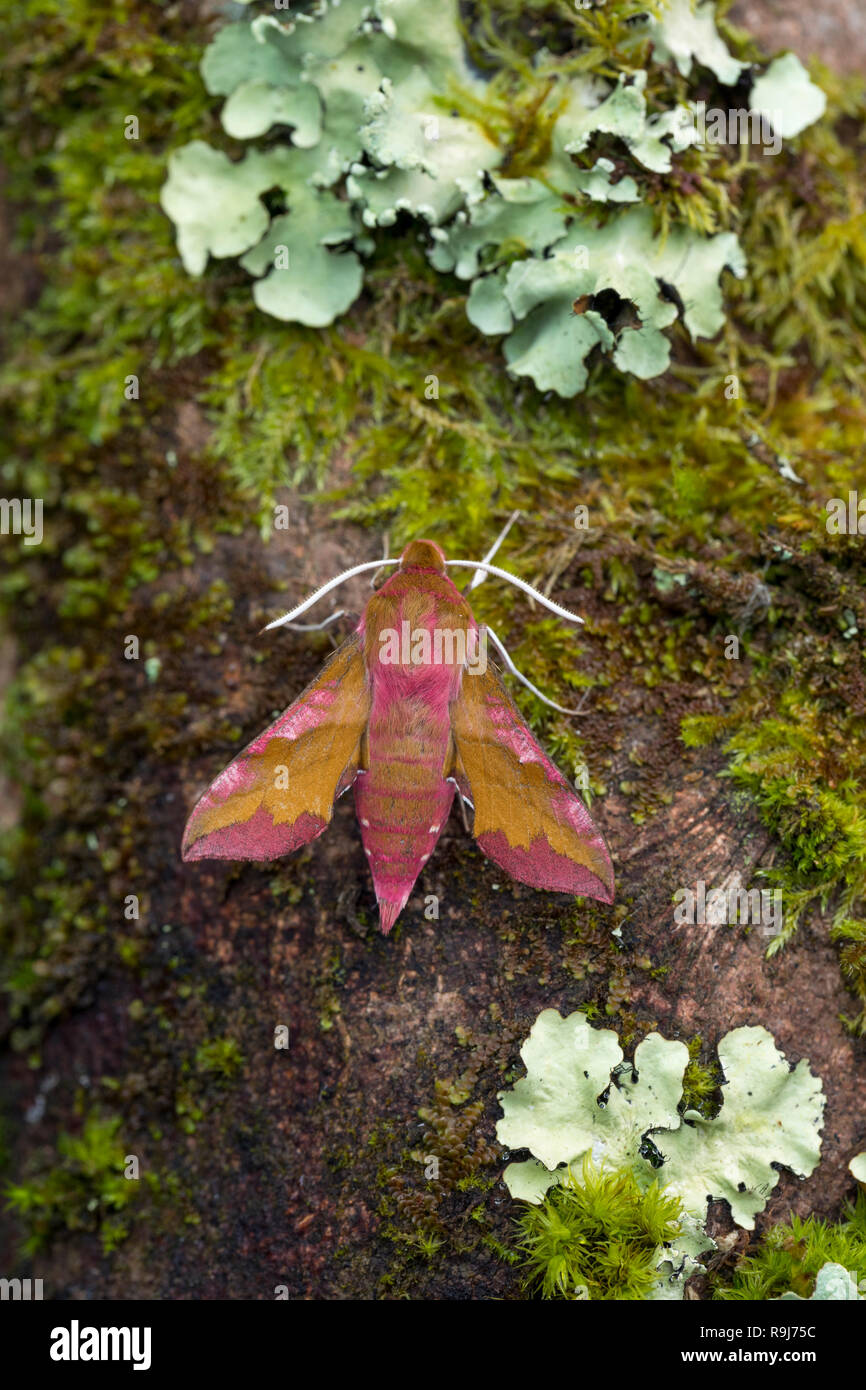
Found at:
[405, 712]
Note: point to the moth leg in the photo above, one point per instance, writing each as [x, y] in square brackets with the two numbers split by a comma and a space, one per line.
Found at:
[386, 546]
[528, 683]
[317, 627]
[463, 803]
[479, 575]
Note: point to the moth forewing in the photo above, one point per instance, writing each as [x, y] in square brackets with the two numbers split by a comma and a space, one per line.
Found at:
[279, 792]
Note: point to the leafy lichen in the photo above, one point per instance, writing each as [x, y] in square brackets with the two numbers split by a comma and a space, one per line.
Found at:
[579, 1097]
[398, 114]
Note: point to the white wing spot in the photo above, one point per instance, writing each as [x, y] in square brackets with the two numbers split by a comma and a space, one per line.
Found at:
[364, 821]
[433, 829]
[424, 858]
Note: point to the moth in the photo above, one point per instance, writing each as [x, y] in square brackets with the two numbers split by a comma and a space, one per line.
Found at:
[407, 712]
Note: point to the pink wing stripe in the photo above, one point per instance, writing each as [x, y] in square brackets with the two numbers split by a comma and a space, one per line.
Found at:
[304, 714]
[541, 867]
[240, 775]
[258, 838]
[513, 733]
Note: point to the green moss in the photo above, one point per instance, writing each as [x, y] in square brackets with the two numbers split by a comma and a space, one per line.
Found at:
[438, 1196]
[418, 1206]
[597, 1236]
[852, 957]
[795, 742]
[86, 1191]
[221, 1057]
[790, 1255]
[701, 1082]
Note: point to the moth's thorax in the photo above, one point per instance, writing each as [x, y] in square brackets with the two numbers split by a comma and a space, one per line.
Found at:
[419, 634]
[423, 555]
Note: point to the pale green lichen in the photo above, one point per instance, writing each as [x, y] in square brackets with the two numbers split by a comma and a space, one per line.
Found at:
[787, 97]
[833, 1282]
[622, 113]
[518, 215]
[386, 110]
[216, 204]
[685, 32]
[581, 1100]
[305, 282]
[858, 1167]
[552, 333]
[770, 1114]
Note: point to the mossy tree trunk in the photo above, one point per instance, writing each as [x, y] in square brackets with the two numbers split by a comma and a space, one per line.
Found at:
[143, 998]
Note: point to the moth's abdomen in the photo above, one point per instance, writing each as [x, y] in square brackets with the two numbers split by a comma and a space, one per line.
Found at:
[415, 647]
[402, 800]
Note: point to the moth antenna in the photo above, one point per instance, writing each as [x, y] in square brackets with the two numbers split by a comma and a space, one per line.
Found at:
[528, 683]
[520, 584]
[326, 589]
[478, 577]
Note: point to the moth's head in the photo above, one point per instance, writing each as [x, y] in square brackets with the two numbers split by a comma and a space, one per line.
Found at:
[424, 555]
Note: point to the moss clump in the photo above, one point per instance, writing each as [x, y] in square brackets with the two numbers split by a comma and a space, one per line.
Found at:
[85, 1191]
[795, 742]
[852, 958]
[791, 1254]
[438, 1199]
[597, 1236]
[701, 1082]
[221, 1057]
[428, 1200]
